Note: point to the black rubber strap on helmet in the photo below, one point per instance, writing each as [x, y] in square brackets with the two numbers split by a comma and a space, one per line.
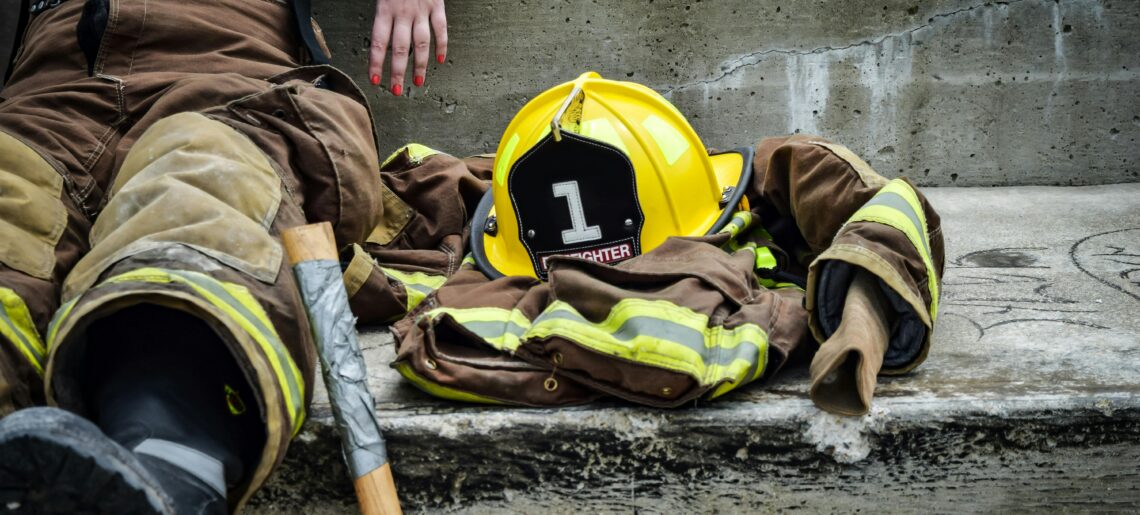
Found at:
[478, 223]
[742, 185]
[303, 13]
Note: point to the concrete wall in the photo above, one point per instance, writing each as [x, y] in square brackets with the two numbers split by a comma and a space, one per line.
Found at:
[950, 92]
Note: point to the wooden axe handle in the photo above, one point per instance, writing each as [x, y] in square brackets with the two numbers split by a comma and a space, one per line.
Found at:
[309, 242]
[376, 490]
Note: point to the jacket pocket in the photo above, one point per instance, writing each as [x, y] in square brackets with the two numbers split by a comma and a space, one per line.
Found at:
[319, 130]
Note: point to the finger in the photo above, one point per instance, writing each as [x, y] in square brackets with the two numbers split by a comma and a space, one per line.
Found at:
[439, 27]
[421, 36]
[381, 31]
[401, 44]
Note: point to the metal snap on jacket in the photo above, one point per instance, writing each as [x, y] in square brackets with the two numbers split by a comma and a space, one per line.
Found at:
[431, 363]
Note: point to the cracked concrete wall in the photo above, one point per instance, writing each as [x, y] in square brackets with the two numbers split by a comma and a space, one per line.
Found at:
[953, 92]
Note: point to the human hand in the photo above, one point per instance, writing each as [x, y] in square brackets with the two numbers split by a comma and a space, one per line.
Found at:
[401, 25]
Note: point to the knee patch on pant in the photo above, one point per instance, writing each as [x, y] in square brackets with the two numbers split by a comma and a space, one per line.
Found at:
[233, 313]
[32, 216]
[189, 181]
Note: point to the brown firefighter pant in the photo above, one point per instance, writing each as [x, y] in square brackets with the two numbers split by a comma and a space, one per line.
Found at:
[695, 317]
[156, 163]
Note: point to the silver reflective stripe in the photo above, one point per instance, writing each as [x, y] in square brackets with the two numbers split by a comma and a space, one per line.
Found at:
[490, 330]
[201, 465]
[424, 289]
[666, 330]
[898, 203]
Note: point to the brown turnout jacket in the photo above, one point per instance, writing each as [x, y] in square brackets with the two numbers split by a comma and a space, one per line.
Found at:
[694, 317]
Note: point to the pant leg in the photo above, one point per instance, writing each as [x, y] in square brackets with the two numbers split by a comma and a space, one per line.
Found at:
[198, 198]
[42, 234]
[56, 123]
[192, 224]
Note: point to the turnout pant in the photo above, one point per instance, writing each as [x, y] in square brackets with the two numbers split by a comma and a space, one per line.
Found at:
[151, 151]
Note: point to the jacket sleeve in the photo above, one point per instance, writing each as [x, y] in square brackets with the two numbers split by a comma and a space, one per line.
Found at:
[422, 238]
[834, 214]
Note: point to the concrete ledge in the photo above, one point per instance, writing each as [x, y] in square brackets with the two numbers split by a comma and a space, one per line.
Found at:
[1030, 399]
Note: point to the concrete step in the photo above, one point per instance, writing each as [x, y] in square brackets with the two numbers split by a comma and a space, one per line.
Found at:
[1030, 400]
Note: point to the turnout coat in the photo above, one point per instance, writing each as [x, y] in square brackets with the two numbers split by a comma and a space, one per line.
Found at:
[693, 318]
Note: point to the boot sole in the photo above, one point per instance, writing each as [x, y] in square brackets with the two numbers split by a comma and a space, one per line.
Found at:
[57, 462]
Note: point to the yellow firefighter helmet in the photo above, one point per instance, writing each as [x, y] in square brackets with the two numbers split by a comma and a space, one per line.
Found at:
[603, 170]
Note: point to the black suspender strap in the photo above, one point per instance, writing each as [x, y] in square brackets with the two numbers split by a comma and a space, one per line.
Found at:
[303, 12]
[21, 24]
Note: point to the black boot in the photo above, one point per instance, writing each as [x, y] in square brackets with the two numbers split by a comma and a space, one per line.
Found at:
[164, 385]
[54, 461]
[171, 431]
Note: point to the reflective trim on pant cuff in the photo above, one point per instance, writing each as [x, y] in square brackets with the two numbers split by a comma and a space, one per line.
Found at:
[17, 327]
[197, 463]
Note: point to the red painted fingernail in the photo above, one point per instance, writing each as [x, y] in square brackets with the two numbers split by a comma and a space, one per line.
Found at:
[397, 89]
[439, 58]
[375, 80]
[419, 81]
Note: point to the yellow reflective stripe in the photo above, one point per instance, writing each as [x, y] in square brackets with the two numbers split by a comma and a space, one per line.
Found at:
[897, 205]
[240, 305]
[773, 284]
[417, 285]
[669, 140]
[602, 130]
[16, 326]
[60, 314]
[502, 160]
[416, 154]
[468, 260]
[652, 332]
[500, 328]
[438, 390]
[662, 334]
[764, 258]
